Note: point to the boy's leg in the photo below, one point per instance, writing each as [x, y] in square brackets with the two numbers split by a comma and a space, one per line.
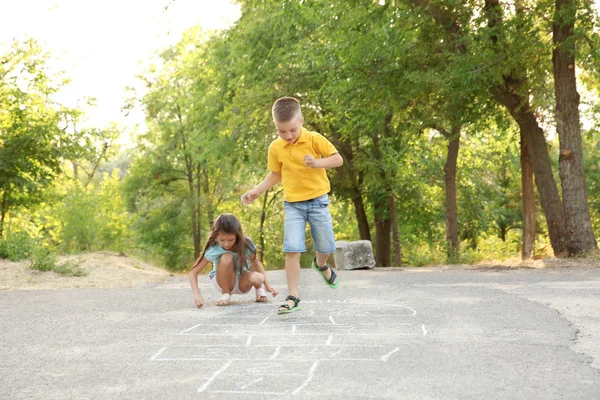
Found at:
[292, 275]
[321, 230]
[225, 277]
[294, 244]
[321, 261]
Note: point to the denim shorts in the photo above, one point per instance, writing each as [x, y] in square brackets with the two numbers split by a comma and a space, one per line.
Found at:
[316, 213]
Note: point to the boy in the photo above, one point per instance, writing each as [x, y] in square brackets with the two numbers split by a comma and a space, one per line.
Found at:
[298, 159]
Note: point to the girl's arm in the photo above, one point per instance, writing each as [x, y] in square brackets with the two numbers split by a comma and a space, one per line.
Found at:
[258, 267]
[193, 276]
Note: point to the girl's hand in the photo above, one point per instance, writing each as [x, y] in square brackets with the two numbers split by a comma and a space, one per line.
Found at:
[199, 301]
[271, 289]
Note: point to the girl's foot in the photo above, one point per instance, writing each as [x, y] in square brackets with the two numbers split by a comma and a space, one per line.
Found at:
[261, 294]
[224, 300]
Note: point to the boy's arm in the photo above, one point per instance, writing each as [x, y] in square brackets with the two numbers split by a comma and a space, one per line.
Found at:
[193, 276]
[271, 180]
[333, 161]
[258, 267]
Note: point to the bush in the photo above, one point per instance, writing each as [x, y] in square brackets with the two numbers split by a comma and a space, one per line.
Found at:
[45, 260]
[70, 268]
[16, 246]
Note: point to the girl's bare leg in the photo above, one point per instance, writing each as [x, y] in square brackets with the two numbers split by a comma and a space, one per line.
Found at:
[252, 279]
[225, 278]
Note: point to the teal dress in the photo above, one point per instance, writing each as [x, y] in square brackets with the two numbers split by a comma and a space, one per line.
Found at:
[214, 253]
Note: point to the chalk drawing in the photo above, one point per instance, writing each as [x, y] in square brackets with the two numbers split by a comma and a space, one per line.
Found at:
[281, 355]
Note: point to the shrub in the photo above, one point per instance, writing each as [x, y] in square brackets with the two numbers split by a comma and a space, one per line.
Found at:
[16, 246]
[45, 260]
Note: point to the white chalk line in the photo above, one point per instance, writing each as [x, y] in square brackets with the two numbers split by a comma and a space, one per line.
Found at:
[423, 329]
[388, 355]
[276, 353]
[331, 319]
[249, 341]
[248, 392]
[158, 354]
[214, 376]
[336, 353]
[254, 381]
[263, 321]
[311, 374]
[189, 329]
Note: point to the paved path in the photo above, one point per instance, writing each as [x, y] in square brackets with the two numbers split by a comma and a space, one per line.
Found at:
[383, 334]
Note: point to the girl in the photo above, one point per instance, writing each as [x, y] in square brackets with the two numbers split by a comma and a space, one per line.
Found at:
[231, 254]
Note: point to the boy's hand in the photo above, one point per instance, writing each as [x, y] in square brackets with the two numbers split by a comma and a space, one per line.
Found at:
[249, 197]
[271, 290]
[199, 301]
[310, 161]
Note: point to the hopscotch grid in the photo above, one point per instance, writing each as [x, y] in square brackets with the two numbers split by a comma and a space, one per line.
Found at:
[327, 344]
[293, 324]
[268, 359]
[288, 325]
[235, 335]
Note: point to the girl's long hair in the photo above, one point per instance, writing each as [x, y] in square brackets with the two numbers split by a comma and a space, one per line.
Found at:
[229, 224]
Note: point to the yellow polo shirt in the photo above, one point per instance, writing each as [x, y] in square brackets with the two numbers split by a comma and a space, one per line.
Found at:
[299, 181]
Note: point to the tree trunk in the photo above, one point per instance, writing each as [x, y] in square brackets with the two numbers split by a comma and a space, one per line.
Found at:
[261, 228]
[356, 181]
[197, 218]
[581, 237]
[537, 148]
[397, 259]
[361, 216]
[3, 212]
[382, 239]
[450, 186]
[528, 196]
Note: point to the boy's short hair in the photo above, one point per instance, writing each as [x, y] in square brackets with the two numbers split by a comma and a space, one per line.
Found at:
[285, 109]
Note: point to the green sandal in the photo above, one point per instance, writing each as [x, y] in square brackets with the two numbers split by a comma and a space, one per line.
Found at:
[286, 309]
[332, 281]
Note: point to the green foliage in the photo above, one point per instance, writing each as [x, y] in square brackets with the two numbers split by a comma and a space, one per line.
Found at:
[384, 81]
[90, 218]
[16, 246]
[45, 260]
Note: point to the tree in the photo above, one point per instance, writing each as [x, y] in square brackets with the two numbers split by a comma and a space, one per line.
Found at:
[568, 127]
[35, 132]
[509, 40]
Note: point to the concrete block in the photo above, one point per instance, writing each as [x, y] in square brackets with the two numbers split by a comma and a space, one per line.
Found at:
[353, 255]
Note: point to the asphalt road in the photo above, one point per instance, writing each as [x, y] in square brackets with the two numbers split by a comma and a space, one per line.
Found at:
[383, 334]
